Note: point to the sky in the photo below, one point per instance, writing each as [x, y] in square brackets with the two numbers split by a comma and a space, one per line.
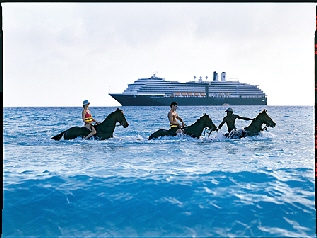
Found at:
[59, 54]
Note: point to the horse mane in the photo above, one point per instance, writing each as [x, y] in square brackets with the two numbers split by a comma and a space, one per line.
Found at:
[202, 117]
[111, 114]
[264, 111]
[197, 121]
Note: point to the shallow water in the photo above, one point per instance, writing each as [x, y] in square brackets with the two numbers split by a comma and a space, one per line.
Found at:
[173, 186]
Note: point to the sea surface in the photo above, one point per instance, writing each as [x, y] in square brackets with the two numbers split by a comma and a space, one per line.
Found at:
[129, 186]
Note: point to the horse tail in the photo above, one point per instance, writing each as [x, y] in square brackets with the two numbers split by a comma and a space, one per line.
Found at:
[59, 136]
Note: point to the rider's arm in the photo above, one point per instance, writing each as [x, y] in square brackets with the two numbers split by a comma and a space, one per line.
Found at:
[83, 115]
[94, 120]
[180, 119]
[245, 118]
[221, 124]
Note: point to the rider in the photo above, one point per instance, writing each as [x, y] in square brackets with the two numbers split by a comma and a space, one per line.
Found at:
[230, 120]
[172, 116]
[88, 119]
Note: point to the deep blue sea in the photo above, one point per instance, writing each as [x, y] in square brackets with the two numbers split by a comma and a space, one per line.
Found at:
[129, 186]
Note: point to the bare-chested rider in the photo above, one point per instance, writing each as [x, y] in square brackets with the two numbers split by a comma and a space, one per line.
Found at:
[230, 120]
[173, 117]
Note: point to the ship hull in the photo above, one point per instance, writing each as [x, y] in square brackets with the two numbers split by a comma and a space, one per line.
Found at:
[147, 100]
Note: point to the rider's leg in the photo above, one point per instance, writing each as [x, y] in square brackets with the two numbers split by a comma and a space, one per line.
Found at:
[179, 131]
[92, 129]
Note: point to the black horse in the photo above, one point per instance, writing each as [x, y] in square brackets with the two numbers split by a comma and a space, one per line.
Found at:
[104, 130]
[254, 128]
[193, 130]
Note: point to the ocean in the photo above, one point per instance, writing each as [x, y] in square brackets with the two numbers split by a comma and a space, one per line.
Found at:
[129, 186]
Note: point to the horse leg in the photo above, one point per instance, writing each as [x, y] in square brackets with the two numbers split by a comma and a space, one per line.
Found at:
[243, 133]
[103, 136]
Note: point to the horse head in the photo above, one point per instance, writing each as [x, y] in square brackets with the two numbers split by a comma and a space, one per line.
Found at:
[266, 119]
[197, 128]
[119, 117]
[208, 122]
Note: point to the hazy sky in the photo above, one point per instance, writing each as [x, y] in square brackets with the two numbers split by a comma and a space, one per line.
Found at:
[59, 54]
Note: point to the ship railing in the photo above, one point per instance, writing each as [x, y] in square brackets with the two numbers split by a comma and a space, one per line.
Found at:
[228, 95]
[212, 95]
[187, 94]
[252, 96]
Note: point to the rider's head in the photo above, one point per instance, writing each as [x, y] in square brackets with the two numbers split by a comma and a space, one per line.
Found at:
[229, 110]
[85, 103]
[173, 104]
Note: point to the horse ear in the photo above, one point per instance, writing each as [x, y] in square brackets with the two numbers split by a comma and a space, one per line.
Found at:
[118, 109]
[204, 114]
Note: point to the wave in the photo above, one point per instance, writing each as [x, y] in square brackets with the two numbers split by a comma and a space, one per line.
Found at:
[171, 186]
[247, 203]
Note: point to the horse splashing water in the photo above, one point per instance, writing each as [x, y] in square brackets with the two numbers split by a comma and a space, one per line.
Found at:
[193, 130]
[254, 128]
[104, 129]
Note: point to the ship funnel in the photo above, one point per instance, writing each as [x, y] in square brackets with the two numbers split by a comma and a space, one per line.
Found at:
[215, 76]
[223, 76]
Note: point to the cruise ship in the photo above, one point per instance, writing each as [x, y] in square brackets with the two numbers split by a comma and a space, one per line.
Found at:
[156, 91]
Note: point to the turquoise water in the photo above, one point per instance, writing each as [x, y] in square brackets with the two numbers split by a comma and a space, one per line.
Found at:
[174, 186]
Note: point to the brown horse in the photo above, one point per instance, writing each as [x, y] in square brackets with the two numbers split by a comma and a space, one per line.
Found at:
[104, 130]
[254, 128]
[193, 130]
